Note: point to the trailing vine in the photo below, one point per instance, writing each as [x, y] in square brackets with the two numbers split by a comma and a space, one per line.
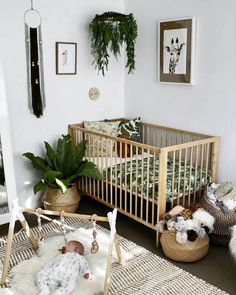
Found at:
[112, 29]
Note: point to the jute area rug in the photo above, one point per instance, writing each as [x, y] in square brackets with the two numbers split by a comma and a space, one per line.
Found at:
[144, 273]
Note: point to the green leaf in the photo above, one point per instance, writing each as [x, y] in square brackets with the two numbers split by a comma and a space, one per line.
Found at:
[39, 186]
[51, 155]
[62, 185]
[79, 152]
[50, 176]
[64, 154]
[89, 169]
[37, 162]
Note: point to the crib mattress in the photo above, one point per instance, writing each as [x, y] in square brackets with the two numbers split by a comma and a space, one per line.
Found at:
[143, 177]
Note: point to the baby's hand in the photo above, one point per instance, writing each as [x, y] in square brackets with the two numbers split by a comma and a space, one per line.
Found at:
[88, 276]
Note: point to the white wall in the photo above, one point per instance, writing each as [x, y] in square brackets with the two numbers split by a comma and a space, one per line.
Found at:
[207, 107]
[66, 96]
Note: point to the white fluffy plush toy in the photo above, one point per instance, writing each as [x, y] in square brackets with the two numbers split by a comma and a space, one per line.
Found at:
[204, 220]
[232, 243]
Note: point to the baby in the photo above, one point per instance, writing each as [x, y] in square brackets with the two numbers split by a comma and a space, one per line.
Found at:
[59, 276]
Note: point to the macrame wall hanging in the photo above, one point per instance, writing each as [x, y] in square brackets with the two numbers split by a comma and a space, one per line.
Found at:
[34, 57]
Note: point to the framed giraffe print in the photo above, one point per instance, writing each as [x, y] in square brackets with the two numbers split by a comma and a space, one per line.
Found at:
[176, 51]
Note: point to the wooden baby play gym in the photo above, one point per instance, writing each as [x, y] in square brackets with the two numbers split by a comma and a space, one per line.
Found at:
[36, 242]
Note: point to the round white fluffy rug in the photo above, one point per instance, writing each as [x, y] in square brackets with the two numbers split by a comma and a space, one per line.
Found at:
[23, 281]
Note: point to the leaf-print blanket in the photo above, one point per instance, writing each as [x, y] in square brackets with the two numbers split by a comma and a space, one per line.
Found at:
[143, 177]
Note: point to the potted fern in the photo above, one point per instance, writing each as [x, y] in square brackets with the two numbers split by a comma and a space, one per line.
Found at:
[62, 167]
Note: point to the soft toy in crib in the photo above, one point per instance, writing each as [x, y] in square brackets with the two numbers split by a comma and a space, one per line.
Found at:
[59, 276]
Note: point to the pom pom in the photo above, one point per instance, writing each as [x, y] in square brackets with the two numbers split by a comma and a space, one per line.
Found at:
[181, 237]
[192, 235]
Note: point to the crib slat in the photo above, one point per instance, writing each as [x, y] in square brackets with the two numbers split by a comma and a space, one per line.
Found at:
[201, 167]
[116, 177]
[102, 168]
[195, 176]
[125, 177]
[207, 163]
[173, 181]
[121, 151]
[153, 187]
[190, 175]
[110, 165]
[142, 170]
[136, 182]
[179, 176]
[147, 187]
[131, 180]
[185, 170]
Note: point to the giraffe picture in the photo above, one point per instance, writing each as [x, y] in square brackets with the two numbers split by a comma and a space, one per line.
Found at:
[176, 51]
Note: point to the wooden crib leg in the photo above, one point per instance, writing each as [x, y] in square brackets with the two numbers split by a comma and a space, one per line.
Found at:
[157, 238]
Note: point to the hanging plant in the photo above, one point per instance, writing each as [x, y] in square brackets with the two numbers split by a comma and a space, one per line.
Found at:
[113, 29]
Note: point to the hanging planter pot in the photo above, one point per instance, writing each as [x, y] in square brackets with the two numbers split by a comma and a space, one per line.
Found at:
[112, 29]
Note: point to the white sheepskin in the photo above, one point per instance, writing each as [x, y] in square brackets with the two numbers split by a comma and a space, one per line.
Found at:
[23, 281]
[232, 243]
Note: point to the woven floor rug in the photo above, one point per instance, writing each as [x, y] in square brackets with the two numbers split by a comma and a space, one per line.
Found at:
[143, 274]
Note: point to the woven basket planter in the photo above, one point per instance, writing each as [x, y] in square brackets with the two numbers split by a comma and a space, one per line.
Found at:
[188, 252]
[54, 200]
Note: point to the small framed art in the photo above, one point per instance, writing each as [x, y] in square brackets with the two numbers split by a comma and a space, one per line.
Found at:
[176, 51]
[66, 58]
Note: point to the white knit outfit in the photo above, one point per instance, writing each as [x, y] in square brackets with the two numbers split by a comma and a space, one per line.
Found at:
[59, 276]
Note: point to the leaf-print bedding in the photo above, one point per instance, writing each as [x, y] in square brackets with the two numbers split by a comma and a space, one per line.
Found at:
[143, 177]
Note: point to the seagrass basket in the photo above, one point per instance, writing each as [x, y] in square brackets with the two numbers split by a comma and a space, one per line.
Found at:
[188, 252]
[54, 200]
[223, 221]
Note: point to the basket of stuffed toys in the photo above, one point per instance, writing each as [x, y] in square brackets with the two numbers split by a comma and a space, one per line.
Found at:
[184, 233]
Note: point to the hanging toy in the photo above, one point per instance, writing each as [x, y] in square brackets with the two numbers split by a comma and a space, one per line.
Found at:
[40, 236]
[94, 245]
[63, 226]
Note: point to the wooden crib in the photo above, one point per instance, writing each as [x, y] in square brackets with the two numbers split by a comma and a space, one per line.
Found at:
[144, 180]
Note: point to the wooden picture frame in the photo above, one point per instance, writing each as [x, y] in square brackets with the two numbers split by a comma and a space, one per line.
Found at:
[176, 51]
[66, 58]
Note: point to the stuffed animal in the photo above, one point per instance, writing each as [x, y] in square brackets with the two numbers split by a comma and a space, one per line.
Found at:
[204, 220]
[200, 225]
[192, 230]
[168, 219]
[187, 214]
[181, 230]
